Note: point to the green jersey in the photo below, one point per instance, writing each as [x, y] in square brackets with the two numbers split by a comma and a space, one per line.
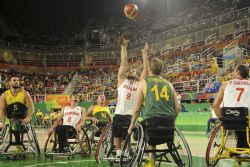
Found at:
[159, 99]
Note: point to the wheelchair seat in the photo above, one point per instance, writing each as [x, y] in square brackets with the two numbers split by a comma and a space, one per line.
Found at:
[158, 130]
[17, 111]
[234, 118]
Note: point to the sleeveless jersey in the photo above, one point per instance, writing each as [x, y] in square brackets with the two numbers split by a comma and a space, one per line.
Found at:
[159, 99]
[237, 94]
[72, 116]
[15, 105]
[10, 99]
[101, 113]
[126, 97]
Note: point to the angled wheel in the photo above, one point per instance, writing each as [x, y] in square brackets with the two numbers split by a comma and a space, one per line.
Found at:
[182, 148]
[91, 131]
[4, 138]
[50, 146]
[84, 143]
[214, 147]
[132, 149]
[104, 145]
[34, 141]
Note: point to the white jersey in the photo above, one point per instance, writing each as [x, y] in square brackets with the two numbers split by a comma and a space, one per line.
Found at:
[237, 94]
[72, 116]
[126, 97]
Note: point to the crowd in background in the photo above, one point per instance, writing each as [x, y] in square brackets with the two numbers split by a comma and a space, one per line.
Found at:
[75, 32]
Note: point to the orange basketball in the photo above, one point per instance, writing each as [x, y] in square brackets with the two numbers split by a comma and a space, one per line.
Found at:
[131, 10]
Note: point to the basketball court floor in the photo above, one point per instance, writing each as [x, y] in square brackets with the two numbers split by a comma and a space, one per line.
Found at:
[196, 140]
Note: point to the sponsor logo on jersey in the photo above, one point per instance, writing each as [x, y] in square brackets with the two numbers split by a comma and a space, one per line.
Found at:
[130, 87]
[232, 112]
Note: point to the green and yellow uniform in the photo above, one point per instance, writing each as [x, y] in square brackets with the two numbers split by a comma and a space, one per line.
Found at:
[159, 99]
[46, 118]
[16, 105]
[39, 114]
[102, 114]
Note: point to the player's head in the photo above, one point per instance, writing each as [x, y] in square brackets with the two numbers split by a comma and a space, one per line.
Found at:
[101, 99]
[74, 98]
[132, 74]
[155, 66]
[14, 82]
[241, 72]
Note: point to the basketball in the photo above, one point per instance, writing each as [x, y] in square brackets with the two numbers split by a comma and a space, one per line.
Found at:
[131, 10]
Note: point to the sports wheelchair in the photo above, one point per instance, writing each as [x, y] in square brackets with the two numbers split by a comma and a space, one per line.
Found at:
[78, 144]
[105, 149]
[234, 120]
[94, 132]
[18, 140]
[171, 145]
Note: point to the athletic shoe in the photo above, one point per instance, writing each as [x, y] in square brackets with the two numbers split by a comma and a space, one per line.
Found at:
[245, 156]
[118, 153]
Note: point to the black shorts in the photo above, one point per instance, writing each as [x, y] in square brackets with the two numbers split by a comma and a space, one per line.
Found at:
[158, 130]
[120, 125]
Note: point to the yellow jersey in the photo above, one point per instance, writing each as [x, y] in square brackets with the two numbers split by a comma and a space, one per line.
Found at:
[10, 98]
[101, 113]
[16, 105]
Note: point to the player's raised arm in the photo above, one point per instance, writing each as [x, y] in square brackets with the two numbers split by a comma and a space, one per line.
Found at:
[124, 61]
[145, 71]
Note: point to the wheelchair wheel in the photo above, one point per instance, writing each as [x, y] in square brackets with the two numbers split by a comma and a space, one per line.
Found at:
[34, 141]
[104, 145]
[213, 148]
[183, 149]
[4, 138]
[50, 146]
[3, 135]
[132, 149]
[84, 143]
[91, 131]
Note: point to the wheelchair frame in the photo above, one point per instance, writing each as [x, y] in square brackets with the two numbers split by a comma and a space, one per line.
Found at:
[136, 157]
[29, 144]
[222, 151]
[80, 145]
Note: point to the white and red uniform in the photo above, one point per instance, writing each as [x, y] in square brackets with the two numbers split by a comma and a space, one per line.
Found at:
[237, 94]
[126, 97]
[72, 116]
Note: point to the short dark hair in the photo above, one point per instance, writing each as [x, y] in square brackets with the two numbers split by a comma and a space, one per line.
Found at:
[156, 66]
[243, 70]
[13, 76]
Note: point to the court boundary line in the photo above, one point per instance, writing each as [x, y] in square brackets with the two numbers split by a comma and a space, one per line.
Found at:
[59, 162]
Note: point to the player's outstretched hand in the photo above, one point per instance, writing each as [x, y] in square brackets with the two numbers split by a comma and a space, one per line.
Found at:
[123, 42]
[130, 129]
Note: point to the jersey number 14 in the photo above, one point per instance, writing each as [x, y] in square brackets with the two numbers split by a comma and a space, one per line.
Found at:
[162, 94]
